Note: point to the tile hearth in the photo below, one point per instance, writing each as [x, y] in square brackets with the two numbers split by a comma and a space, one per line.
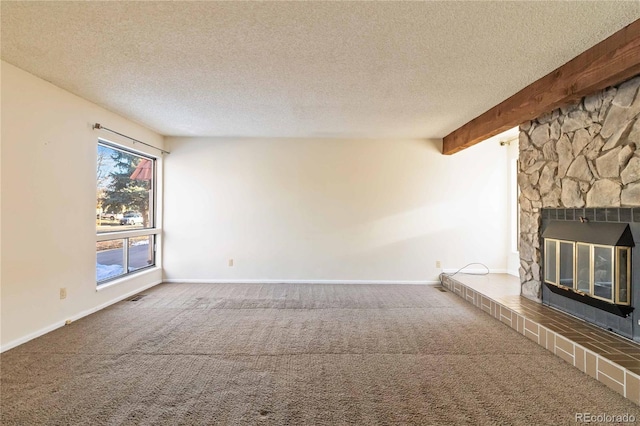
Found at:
[613, 360]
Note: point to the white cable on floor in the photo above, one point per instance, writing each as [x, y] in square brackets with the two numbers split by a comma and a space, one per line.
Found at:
[465, 273]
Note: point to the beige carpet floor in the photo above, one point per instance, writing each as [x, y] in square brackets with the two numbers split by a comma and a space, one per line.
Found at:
[209, 354]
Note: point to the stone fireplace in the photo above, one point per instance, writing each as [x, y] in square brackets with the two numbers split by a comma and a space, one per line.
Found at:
[579, 172]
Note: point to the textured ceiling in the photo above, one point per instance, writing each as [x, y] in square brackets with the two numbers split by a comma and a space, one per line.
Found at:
[302, 69]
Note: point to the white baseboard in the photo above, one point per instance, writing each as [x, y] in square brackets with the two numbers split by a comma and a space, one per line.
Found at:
[270, 281]
[58, 324]
[475, 271]
[31, 336]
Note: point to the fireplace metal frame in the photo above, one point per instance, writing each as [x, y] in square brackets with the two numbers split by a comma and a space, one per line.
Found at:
[615, 279]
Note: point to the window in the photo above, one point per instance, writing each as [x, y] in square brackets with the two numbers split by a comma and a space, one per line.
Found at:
[125, 212]
[514, 194]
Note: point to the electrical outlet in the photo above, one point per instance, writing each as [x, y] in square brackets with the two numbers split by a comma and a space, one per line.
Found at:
[438, 264]
[230, 262]
[63, 293]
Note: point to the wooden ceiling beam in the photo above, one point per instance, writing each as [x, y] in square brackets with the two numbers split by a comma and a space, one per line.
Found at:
[609, 62]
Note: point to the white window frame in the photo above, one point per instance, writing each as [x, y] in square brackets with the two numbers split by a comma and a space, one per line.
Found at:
[154, 230]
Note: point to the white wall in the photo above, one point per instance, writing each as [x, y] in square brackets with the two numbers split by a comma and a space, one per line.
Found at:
[48, 169]
[331, 210]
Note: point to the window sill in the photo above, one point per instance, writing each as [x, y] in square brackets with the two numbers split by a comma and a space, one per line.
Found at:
[127, 278]
[118, 235]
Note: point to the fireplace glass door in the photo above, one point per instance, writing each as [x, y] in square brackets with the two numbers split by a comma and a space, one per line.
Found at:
[590, 266]
[550, 261]
[623, 268]
[595, 270]
[583, 267]
[559, 262]
[603, 272]
[566, 260]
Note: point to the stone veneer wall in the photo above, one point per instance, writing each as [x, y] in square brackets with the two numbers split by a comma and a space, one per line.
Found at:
[583, 155]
